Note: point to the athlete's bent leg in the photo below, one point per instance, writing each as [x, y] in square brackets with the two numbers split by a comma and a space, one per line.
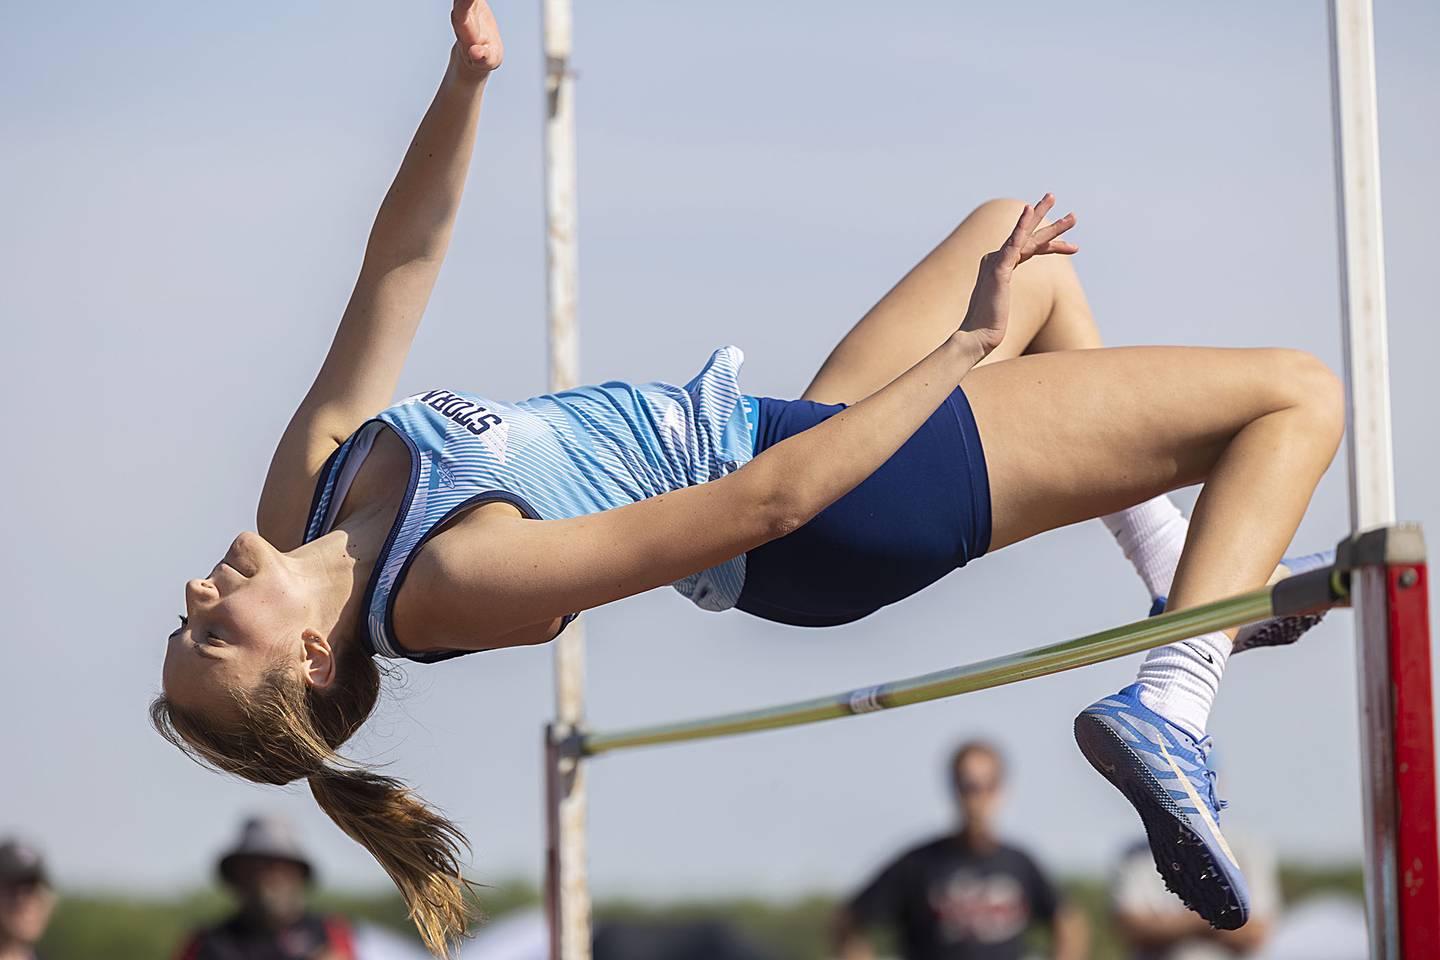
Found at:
[1258, 428]
[1049, 314]
[1075, 435]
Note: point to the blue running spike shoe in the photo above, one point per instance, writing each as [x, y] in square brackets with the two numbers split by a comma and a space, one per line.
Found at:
[1279, 630]
[1165, 774]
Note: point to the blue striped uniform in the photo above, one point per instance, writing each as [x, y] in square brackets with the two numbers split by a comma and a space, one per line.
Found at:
[553, 457]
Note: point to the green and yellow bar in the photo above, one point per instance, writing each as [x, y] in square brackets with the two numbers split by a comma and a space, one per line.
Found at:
[1307, 593]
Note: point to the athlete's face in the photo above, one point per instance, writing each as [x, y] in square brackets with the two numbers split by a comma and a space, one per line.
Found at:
[252, 612]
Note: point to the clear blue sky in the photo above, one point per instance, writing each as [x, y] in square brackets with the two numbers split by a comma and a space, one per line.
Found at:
[186, 190]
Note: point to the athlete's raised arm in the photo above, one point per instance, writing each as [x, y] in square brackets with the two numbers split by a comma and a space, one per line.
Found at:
[482, 582]
[402, 259]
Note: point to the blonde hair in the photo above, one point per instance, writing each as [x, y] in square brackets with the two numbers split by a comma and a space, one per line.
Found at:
[288, 730]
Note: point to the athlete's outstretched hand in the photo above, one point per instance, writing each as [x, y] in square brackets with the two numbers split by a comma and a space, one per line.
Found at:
[477, 36]
[989, 310]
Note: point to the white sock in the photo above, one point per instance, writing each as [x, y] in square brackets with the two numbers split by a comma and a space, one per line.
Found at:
[1179, 681]
[1151, 534]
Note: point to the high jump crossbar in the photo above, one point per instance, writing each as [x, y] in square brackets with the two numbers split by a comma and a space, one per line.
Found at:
[1311, 592]
[1381, 567]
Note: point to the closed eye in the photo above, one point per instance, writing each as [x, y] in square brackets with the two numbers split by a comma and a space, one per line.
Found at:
[205, 648]
[200, 646]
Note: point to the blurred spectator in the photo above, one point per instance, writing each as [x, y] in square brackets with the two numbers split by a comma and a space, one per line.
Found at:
[270, 877]
[1157, 926]
[26, 900]
[964, 895]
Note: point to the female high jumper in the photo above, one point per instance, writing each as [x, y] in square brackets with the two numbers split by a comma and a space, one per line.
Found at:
[450, 523]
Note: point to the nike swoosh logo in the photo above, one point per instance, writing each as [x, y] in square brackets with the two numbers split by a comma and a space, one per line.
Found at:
[1203, 653]
[1200, 806]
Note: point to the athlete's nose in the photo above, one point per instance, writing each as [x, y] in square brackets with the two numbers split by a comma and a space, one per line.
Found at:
[200, 591]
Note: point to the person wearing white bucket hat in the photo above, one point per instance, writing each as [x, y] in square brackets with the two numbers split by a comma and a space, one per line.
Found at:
[269, 874]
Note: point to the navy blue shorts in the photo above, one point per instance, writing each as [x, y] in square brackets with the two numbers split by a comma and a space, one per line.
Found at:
[921, 515]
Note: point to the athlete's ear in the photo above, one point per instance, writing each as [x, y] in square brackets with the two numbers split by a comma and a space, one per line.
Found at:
[319, 666]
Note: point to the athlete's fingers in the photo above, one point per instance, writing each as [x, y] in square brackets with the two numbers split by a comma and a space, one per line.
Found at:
[1024, 224]
[1012, 251]
[1052, 230]
[1043, 207]
[1056, 246]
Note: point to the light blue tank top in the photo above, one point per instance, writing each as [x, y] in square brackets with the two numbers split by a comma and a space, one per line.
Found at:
[553, 457]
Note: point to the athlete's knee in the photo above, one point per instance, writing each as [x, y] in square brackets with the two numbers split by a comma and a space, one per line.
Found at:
[1314, 389]
[1327, 399]
[997, 213]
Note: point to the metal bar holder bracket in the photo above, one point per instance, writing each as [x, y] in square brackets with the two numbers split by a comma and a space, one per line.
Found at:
[1397, 742]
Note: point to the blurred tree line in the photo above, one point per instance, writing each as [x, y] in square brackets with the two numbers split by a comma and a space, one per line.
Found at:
[117, 927]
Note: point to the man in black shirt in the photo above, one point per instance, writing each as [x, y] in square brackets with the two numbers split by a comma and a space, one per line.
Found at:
[964, 895]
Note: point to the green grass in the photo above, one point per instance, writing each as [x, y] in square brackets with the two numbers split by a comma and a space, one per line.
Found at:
[104, 924]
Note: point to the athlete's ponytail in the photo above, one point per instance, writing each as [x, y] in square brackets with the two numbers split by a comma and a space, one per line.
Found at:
[287, 730]
[418, 847]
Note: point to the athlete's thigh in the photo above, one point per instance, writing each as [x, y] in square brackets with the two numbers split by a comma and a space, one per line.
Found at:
[928, 304]
[1071, 436]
